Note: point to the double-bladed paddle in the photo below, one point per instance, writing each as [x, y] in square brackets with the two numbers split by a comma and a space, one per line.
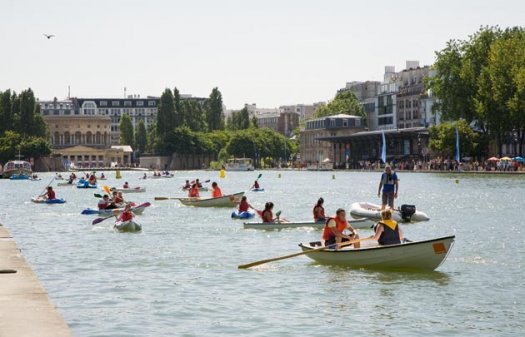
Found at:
[99, 220]
[257, 263]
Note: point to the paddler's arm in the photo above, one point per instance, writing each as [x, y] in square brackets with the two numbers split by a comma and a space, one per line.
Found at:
[379, 230]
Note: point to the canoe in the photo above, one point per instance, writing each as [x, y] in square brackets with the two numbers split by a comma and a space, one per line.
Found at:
[162, 176]
[230, 200]
[373, 212]
[90, 211]
[356, 224]
[47, 201]
[424, 255]
[127, 226]
[257, 190]
[242, 215]
[130, 190]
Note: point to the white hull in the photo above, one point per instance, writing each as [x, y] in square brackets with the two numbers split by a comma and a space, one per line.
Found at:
[356, 224]
[131, 190]
[225, 201]
[373, 212]
[127, 226]
[421, 255]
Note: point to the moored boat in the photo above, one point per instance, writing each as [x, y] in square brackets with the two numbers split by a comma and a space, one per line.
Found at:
[239, 164]
[356, 224]
[407, 213]
[127, 226]
[230, 200]
[424, 255]
[17, 167]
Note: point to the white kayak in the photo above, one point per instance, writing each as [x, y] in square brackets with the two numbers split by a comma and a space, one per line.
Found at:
[407, 213]
[127, 226]
[230, 200]
[356, 224]
[130, 189]
[424, 255]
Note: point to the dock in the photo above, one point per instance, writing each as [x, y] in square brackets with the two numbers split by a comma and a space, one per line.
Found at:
[25, 308]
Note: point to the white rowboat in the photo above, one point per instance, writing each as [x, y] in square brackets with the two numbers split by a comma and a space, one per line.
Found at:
[373, 212]
[356, 224]
[230, 200]
[130, 190]
[127, 226]
[411, 256]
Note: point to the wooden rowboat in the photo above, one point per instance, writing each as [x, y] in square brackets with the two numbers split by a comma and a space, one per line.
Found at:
[230, 200]
[424, 255]
[356, 224]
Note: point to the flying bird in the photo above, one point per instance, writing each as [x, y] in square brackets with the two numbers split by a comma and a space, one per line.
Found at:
[49, 36]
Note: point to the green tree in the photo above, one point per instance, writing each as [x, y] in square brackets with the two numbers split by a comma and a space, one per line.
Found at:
[193, 115]
[344, 102]
[239, 120]
[35, 147]
[9, 145]
[152, 142]
[214, 113]
[6, 115]
[141, 138]
[165, 115]
[442, 139]
[178, 119]
[126, 131]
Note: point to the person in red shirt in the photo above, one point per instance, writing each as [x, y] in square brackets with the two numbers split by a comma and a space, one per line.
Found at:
[50, 194]
[92, 180]
[104, 203]
[126, 215]
[244, 205]
[126, 185]
[194, 191]
[319, 211]
[215, 190]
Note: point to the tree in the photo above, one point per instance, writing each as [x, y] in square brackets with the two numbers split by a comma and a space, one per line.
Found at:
[193, 115]
[27, 113]
[344, 102]
[165, 114]
[9, 143]
[141, 138]
[6, 116]
[152, 142]
[239, 120]
[442, 139]
[214, 113]
[35, 147]
[178, 119]
[126, 130]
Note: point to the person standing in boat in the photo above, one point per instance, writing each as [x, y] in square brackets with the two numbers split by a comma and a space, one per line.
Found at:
[387, 230]
[334, 228]
[319, 215]
[215, 190]
[390, 185]
[50, 194]
[193, 191]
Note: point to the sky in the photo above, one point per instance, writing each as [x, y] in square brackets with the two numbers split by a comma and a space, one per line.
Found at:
[267, 52]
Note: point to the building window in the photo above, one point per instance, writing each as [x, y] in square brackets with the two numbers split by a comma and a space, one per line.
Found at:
[127, 103]
[151, 103]
[115, 103]
[103, 103]
[140, 103]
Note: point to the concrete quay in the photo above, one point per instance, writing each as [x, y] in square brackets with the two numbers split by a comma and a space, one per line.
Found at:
[25, 308]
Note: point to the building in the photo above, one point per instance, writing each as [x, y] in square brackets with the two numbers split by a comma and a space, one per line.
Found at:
[305, 111]
[411, 89]
[363, 90]
[287, 123]
[313, 151]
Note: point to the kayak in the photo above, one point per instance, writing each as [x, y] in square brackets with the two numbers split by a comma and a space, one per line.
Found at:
[38, 200]
[162, 176]
[19, 177]
[130, 190]
[242, 215]
[89, 211]
[85, 184]
[127, 226]
[424, 255]
[257, 190]
[356, 224]
[230, 200]
[407, 213]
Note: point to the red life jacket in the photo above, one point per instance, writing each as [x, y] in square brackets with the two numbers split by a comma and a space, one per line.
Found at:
[51, 195]
[194, 192]
[243, 206]
[340, 226]
[264, 215]
[126, 216]
[217, 193]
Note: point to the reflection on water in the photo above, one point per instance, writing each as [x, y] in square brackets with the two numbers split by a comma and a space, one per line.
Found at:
[180, 277]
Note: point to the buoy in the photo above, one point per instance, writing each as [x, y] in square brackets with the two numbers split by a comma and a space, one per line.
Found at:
[279, 175]
[118, 176]
[457, 181]
[222, 174]
[333, 176]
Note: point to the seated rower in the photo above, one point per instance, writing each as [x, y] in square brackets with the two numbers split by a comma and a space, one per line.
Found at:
[112, 204]
[334, 228]
[92, 180]
[199, 185]
[119, 199]
[145, 176]
[194, 191]
[215, 190]
[387, 230]
[126, 185]
[256, 185]
[50, 194]
[244, 206]
[102, 176]
[267, 214]
[187, 185]
[319, 215]
[104, 203]
[126, 215]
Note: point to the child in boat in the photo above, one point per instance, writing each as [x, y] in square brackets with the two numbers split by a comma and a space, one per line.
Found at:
[126, 185]
[244, 205]
[50, 194]
[387, 230]
[104, 203]
[126, 215]
[215, 190]
[194, 191]
[319, 215]
[256, 185]
[187, 185]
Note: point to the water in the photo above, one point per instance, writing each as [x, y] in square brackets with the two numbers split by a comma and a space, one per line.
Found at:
[180, 277]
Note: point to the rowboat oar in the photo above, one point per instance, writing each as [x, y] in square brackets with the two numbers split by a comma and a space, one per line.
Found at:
[99, 220]
[168, 198]
[257, 263]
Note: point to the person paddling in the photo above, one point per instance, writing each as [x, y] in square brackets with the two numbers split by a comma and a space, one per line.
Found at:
[126, 215]
[244, 206]
[187, 185]
[387, 230]
[104, 203]
[194, 191]
[215, 190]
[102, 176]
[334, 228]
[50, 194]
[92, 180]
[199, 185]
[256, 185]
[126, 185]
[318, 211]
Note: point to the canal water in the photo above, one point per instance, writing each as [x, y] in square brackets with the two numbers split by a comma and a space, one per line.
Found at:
[179, 277]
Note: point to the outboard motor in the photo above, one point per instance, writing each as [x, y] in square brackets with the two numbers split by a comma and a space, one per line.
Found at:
[407, 211]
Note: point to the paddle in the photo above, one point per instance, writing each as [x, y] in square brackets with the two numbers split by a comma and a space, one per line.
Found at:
[99, 220]
[257, 263]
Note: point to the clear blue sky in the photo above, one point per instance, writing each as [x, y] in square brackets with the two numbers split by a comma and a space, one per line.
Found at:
[265, 52]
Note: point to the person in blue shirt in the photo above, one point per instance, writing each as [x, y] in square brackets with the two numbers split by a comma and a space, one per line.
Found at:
[390, 185]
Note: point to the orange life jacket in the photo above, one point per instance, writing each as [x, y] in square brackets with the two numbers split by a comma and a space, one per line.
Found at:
[217, 193]
[340, 226]
[194, 192]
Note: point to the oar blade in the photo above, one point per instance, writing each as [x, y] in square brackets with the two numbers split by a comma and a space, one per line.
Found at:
[98, 220]
[161, 198]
